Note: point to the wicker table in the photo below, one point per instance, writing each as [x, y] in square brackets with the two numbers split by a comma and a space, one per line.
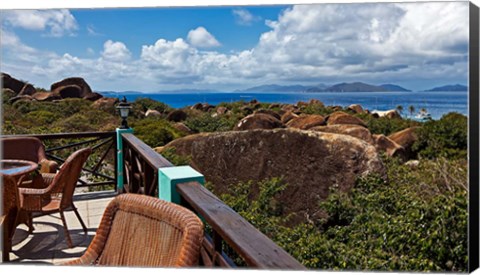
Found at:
[11, 172]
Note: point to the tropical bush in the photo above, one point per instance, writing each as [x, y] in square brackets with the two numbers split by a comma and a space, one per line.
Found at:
[205, 122]
[446, 137]
[416, 220]
[155, 131]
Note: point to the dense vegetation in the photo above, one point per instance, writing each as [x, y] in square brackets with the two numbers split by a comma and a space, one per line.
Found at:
[415, 219]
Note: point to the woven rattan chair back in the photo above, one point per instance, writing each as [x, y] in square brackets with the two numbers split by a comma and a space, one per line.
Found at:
[65, 180]
[142, 231]
[25, 148]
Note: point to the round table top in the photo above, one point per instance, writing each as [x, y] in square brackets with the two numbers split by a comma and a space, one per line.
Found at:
[16, 167]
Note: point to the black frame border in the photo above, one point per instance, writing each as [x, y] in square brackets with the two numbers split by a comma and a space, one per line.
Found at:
[473, 211]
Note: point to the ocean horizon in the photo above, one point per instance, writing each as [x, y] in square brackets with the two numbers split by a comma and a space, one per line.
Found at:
[436, 103]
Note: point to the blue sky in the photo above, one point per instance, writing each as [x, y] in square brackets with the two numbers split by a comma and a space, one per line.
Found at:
[416, 45]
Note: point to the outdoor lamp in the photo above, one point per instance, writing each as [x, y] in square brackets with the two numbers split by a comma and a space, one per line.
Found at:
[124, 109]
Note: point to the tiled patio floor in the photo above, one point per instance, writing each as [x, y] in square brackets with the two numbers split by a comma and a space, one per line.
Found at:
[47, 244]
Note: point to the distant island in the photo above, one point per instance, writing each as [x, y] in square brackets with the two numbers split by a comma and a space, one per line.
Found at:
[344, 87]
[449, 88]
[340, 87]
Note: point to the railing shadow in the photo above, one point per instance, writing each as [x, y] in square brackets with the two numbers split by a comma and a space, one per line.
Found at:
[42, 247]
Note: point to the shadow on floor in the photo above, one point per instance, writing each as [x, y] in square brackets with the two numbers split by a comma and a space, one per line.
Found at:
[49, 247]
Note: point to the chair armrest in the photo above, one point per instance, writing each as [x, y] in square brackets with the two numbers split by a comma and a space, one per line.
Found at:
[32, 199]
[48, 166]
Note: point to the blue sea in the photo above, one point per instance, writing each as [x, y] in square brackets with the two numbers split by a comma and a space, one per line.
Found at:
[436, 103]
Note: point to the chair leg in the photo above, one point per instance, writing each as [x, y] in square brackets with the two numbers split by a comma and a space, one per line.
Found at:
[79, 218]
[65, 229]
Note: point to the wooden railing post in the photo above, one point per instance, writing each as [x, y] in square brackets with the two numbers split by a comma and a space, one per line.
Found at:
[169, 177]
[120, 167]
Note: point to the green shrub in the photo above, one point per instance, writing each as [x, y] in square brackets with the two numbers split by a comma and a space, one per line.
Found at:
[141, 105]
[206, 123]
[416, 221]
[155, 131]
[447, 137]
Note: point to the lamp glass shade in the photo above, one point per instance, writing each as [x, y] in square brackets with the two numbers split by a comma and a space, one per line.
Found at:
[124, 112]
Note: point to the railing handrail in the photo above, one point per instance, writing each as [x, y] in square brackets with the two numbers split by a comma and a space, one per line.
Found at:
[153, 158]
[252, 245]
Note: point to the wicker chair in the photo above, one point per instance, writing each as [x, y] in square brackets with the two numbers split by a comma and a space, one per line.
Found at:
[142, 231]
[28, 148]
[58, 195]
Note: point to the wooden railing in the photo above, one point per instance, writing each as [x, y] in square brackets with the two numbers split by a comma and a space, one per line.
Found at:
[141, 164]
[100, 169]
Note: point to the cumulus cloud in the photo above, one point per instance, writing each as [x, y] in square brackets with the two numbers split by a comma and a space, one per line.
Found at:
[115, 51]
[55, 22]
[244, 17]
[373, 42]
[201, 38]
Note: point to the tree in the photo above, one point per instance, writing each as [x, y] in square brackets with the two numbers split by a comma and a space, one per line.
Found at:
[411, 109]
[400, 109]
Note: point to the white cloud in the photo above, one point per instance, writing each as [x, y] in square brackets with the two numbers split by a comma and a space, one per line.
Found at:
[115, 51]
[201, 38]
[244, 17]
[56, 22]
[306, 44]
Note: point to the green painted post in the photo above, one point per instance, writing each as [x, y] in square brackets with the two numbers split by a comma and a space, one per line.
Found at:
[168, 177]
[120, 157]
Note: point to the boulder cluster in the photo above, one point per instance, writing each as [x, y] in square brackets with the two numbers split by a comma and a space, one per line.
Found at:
[311, 152]
[73, 87]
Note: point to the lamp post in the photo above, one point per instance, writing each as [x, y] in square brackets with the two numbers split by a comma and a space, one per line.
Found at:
[124, 109]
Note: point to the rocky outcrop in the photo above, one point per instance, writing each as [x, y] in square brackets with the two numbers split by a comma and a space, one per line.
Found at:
[221, 110]
[17, 86]
[258, 121]
[83, 87]
[388, 114]
[357, 131]
[182, 128]
[45, 96]
[287, 116]
[152, 113]
[344, 118]
[406, 138]
[306, 122]
[93, 96]
[390, 147]
[309, 162]
[269, 112]
[177, 115]
[356, 108]
[105, 103]
[69, 91]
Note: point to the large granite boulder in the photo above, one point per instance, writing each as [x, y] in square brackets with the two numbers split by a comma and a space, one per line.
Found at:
[46, 96]
[177, 115]
[94, 96]
[152, 113]
[287, 116]
[340, 117]
[82, 91]
[356, 108]
[309, 162]
[305, 122]
[106, 104]
[69, 91]
[390, 147]
[18, 86]
[406, 138]
[269, 112]
[353, 130]
[258, 121]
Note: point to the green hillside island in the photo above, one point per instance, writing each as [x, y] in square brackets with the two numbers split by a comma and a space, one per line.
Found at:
[340, 87]
[339, 188]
